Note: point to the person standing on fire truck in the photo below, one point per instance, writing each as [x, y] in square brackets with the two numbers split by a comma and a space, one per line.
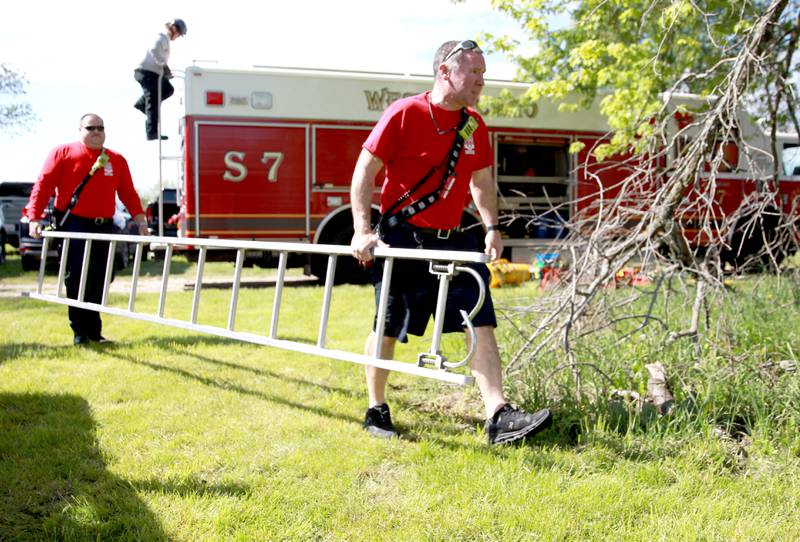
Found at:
[106, 173]
[422, 201]
[153, 72]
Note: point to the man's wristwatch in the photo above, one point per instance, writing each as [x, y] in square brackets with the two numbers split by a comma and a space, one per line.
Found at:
[493, 227]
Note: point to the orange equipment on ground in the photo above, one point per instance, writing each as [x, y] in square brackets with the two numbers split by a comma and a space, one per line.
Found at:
[505, 273]
[546, 269]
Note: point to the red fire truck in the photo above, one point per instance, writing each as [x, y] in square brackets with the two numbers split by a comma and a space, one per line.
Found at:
[269, 153]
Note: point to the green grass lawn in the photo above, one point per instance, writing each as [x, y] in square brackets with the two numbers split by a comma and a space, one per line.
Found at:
[171, 435]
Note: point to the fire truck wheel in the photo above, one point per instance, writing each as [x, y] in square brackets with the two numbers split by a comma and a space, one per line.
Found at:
[348, 270]
[470, 225]
[749, 241]
[29, 263]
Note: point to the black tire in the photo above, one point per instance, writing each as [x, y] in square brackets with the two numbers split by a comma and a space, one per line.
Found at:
[121, 257]
[348, 270]
[29, 263]
[748, 242]
[472, 226]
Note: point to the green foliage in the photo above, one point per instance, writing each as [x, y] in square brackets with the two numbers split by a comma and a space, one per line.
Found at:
[625, 53]
[13, 114]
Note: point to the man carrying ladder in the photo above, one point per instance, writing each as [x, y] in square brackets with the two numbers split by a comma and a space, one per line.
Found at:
[434, 148]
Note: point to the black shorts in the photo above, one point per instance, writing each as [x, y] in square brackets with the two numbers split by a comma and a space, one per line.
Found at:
[414, 290]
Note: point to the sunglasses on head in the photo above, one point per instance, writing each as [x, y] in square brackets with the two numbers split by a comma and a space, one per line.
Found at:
[95, 128]
[466, 45]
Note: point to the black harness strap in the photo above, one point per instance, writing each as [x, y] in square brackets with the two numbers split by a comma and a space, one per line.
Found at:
[393, 217]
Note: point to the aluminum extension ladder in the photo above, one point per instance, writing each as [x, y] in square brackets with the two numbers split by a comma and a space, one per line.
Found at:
[431, 364]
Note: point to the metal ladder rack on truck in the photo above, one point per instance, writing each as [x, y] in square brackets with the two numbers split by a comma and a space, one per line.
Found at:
[269, 154]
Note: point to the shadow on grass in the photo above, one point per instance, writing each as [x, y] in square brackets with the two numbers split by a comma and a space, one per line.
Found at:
[54, 484]
[227, 385]
[447, 431]
[192, 487]
[11, 351]
[442, 428]
[178, 345]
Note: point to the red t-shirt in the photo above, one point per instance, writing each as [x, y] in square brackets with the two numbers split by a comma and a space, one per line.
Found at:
[66, 166]
[407, 142]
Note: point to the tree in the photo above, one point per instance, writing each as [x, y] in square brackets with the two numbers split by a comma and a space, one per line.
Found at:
[632, 56]
[13, 113]
[634, 51]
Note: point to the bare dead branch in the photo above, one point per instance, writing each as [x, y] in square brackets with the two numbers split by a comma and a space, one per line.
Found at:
[664, 214]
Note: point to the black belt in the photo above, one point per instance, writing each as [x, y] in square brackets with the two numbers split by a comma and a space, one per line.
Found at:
[99, 221]
[433, 232]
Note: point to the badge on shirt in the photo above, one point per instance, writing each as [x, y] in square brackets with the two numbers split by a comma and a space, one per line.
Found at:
[108, 170]
[469, 146]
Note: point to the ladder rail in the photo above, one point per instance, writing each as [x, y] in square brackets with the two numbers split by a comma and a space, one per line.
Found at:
[198, 283]
[62, 265]
[237, 277]
[383, 304]
[162, 299]
[137, 265]
[278, 246]
[276, 302]
[87, 253]
[326, 300]
[438, 317]
[42, 264]
[112, 247]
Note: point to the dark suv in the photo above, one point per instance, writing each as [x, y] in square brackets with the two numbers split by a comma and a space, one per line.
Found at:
[13, 197]
[171, 212]
[2, 237]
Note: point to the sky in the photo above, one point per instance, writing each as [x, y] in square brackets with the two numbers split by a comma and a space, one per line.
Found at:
[80, 57]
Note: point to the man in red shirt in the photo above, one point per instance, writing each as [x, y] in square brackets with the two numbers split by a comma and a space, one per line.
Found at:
[66, 166]
[422, 200]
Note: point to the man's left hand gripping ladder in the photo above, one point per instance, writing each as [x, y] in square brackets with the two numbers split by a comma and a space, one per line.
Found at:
[431, 364]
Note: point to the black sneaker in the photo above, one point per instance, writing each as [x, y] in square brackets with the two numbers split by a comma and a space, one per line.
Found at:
[80, 340]
[509, 424]
[378, 422]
